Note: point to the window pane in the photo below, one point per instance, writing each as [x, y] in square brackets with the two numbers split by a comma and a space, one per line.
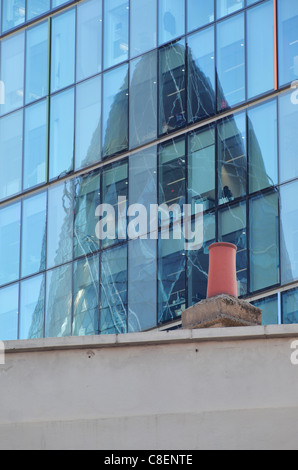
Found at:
[115, 110]
[35, 146]
[288, 41]
[142, 280]
[115, 185]
[264, 242]
[9, 299]
[143, 100]
[12, 60]
[88, 122]
[199, 13]
[61, 134]
[232, 229]
[230, 62]
[260, 52]
[289, 231]
[269, 307]
[13, 14]
[226, 7]
[63, 50]
[34, 234]
[172, 96]
[87, 198]
[262, 146]
[9, 243]
[201, 168]
[113, 288]
[201, 75]
[171, 20]
[142, 26]
[32, 308]
[232, 158]
[37, 8]
[58, 302]
[85, 295]
[60, 224]
[36, 62]
[89, 25]
[116, 18]
[288, 138]
[11, 137]
[289, 307]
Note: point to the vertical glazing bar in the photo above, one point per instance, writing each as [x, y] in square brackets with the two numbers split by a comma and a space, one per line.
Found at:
[275, 45]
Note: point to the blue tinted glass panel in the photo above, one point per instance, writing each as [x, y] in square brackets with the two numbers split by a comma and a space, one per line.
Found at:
[288, 137]
[9, 298]
[116, 20]
[36, 63]
[12, 60]
[58, 302]
[227, 7]
[288, 41]
[89, 32]
[32, 308]
[290, 307]
[61, 134]
[269, 307]
[33, 234]
[63, 50]
[9, 243]
[11, 136]
[289, 230]
[142, 26]
[86, 296]
[37, 7]
[201, 75]
[199, 13]
[13, 14]
[260, 52]
[35, 146]
[88, 123]
[171, 20]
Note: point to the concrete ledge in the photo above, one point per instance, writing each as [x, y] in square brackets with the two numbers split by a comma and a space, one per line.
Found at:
[152, 338]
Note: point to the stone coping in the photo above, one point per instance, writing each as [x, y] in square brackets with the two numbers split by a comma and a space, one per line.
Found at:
[152, 338]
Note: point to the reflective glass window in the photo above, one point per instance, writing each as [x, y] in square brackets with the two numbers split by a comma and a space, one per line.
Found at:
[262, 146]
[142, 294]
[88, 122]
[58, 302]
[9, 243]
[227, 7]
[288, 41]
[113, 291]
[232, 161]
[61, 134]
[9, 299]
[63, 50]
[230, 62]
[11, 137]
[36, 63]
[201, 168]
[260, 49]
[289, 307]
[289, 231]
[113, 219]
[288, 137]
[35, 145]
[115, 110]
[171, 20]
[36, 8]
[12, 60]
[172, 95]
[13, 14]
[232, 229]
[264, 242]
[201, 75]
[89, 33]
[269, 307]
[60, 224]
[33, 234]
[86, 296]
[142, 26]
[32, 308]
[57, 3]
[199, 13]
[87, 198]
[143, 100]
[116, 20]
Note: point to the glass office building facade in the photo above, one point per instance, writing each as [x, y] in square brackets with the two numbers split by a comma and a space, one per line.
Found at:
[158, 102]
